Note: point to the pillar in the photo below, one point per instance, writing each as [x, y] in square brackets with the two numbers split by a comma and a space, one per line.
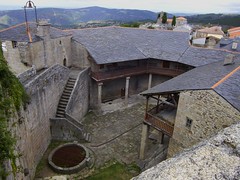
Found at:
[127, 90]
[150, 81]
[145, 131]
[162, 138]
[100, 93]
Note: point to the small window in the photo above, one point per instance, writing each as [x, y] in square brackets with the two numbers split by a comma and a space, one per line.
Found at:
[189, 123]
[64, 62]
[60, 42]
[14, 44]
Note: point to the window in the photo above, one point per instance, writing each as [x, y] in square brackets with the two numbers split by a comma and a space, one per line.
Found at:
[60, 42]
[189, 123]
[64, 62]
[14, 44]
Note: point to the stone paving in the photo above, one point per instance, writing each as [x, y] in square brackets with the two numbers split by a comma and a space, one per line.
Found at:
[116, 134]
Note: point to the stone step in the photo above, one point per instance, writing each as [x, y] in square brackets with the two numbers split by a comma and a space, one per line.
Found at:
[65, 96]
[70, 85]
[71, 81]
[61, 109]
[68, 88]
[61, 102]
[67, 91]
[62, 106]
[60, 115]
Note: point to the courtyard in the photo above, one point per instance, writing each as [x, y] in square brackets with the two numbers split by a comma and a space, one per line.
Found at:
[116, 136]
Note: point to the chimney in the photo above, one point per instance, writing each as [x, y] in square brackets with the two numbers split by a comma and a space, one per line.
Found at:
[229, 59]
[234, 45]
[43, 28]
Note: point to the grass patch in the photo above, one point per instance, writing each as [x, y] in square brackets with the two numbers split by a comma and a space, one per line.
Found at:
[44, 161]
[116, 171]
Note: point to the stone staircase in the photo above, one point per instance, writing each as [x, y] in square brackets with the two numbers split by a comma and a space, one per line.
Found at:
[61, 109]
[65, 98]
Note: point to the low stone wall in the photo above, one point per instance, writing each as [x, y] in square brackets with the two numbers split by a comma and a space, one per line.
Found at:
[33, 125]
[79, 100]
[64, 130]
[216, 158]
[23, 77]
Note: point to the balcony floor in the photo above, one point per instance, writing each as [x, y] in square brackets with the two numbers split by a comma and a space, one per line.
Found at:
[168, 115]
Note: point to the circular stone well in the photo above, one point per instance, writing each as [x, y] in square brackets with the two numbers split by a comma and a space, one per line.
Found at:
[68, 158]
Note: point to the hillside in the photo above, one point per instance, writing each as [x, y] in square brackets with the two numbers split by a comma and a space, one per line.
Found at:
[70, 17]
[98, 16]
[221, 19]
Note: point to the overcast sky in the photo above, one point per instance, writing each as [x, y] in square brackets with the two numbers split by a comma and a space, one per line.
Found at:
[183, 6]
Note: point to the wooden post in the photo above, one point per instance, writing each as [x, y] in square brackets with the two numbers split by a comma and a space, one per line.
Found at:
[150, 81]
[127, 90]
[158, 104]
[145, 131]
[100, 94]
[146, 110]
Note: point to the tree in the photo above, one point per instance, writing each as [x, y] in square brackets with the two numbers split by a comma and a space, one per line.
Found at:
[164, 18]
[174, 21]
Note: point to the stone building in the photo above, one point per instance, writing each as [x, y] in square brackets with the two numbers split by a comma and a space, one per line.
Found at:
[24, 50]
[113, 62]
[195, 105]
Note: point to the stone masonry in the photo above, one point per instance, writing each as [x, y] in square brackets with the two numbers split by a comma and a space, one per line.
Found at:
[216, 158]
[209, 113]
[34, 126]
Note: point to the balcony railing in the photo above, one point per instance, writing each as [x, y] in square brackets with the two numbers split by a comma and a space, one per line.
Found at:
[118, 73]
[159, 124]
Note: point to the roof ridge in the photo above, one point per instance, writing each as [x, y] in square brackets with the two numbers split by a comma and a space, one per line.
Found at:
[11, 27]
[183, 53]
[225, 77]
[216, 49]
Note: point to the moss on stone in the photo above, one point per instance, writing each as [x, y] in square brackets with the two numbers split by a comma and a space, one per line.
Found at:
[12, 97]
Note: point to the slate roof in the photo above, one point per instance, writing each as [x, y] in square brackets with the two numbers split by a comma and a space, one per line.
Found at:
[212, 30]
[204, 78]
[226, 43]
[115, 44]
[18, 33]
[201, 56]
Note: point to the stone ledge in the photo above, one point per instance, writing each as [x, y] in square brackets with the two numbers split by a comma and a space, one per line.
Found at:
[215, 158]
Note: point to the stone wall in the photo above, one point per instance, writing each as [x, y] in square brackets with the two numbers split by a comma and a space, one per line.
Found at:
[41, 54]
[79, 100]
[12, 56]
[216, 158]
[57, 50]
[209, 113]
[33, 127]
[79, 55]
[64, 130]
[23, 77]
[36, 55]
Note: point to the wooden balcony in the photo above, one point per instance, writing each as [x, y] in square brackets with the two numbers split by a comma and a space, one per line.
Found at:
[159, 124]
[119, 73]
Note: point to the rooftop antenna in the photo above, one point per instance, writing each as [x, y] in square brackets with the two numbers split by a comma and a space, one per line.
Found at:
[29, 5]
